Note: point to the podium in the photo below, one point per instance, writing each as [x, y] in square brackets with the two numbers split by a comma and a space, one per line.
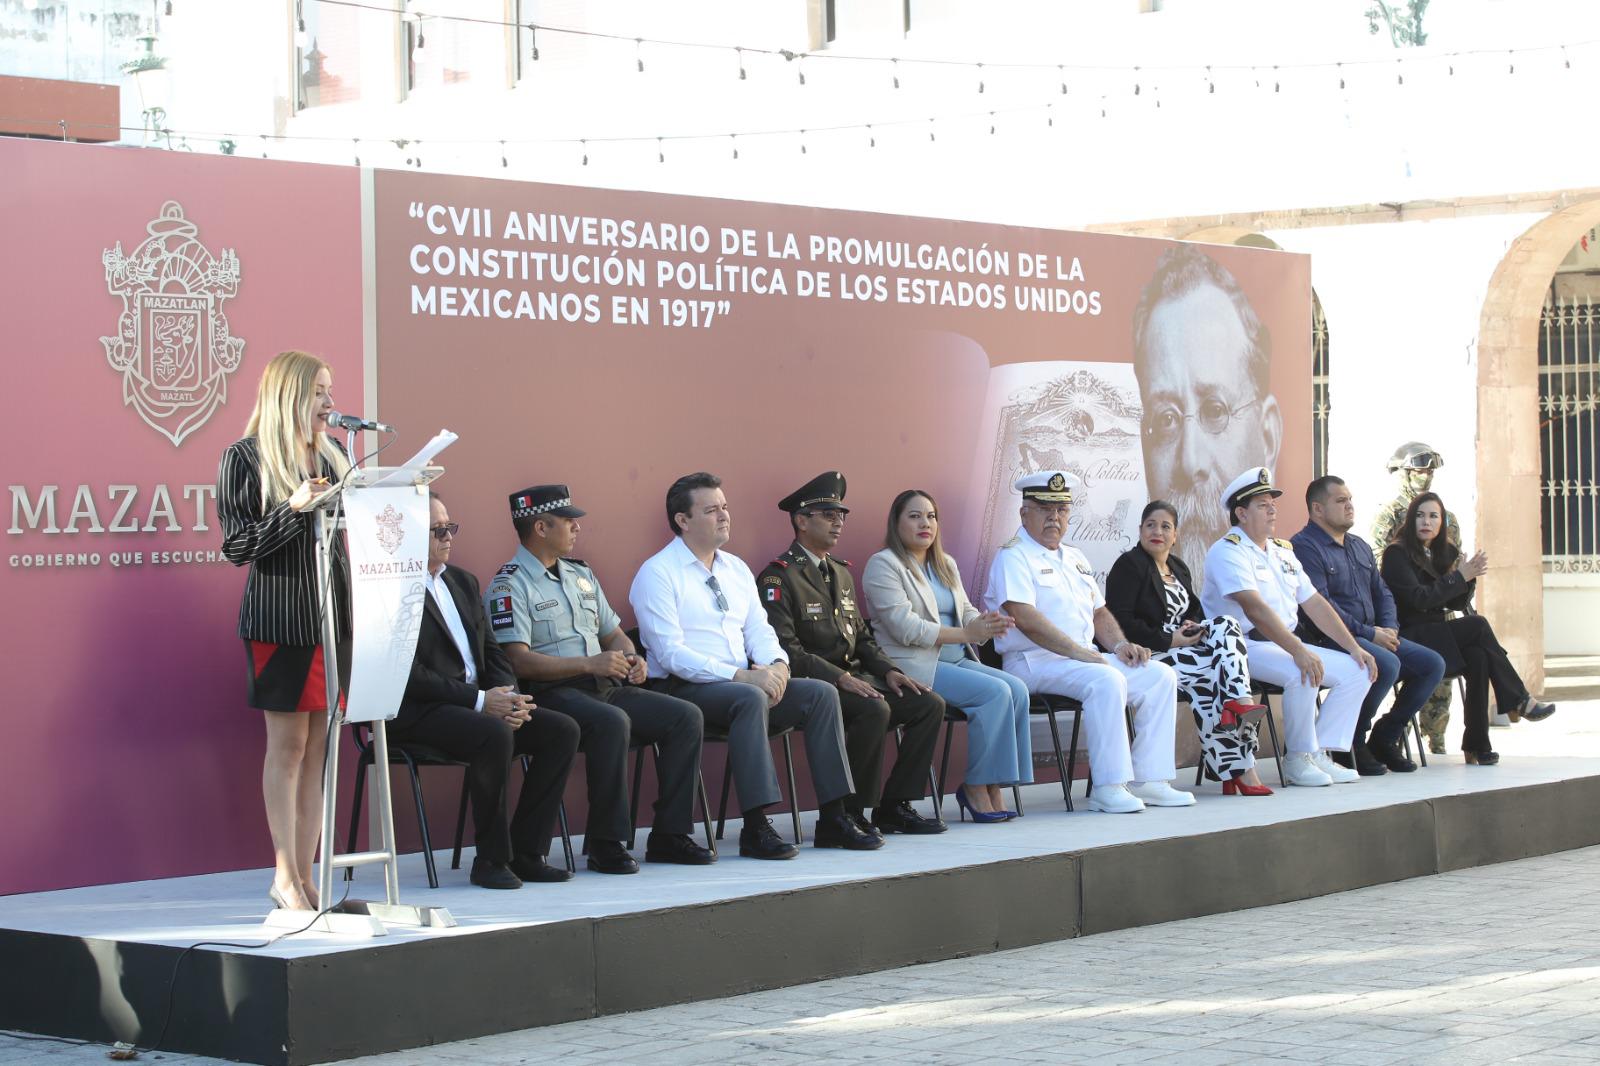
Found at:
[356, 917]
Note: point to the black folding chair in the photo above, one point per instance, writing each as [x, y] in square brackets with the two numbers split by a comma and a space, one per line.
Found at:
[715, 734]
[638, 780]
[1261, 690]
[952, 715]
[718, 735]
[412, 755]
[1416, 726]
[1048, 705]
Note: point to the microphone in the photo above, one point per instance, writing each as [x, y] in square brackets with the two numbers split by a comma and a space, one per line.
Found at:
[354, 422]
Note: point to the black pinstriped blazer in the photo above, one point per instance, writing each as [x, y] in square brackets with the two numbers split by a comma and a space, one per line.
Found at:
[280, 602]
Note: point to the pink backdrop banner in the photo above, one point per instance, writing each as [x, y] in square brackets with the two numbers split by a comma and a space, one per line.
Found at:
[129, 752]
[609, 340]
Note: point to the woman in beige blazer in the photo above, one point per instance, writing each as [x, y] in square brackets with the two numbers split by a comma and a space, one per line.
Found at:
[923, 621]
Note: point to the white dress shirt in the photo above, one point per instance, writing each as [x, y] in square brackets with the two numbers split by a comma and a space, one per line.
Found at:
[685, 634]
[457, 628]
[1059, 583]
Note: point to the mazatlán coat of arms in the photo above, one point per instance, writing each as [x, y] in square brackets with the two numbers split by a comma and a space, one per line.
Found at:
[391, 529]
[172, 345]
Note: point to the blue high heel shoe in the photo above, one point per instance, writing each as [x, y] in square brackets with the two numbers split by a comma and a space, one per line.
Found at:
[977, 815]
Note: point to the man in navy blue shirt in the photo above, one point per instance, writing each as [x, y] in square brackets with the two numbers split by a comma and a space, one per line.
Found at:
[1341, 566]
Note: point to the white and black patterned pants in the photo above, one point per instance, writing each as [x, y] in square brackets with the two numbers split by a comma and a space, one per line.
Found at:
[1211, 672]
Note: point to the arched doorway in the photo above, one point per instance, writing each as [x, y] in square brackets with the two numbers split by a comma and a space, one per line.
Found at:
[1508, 458]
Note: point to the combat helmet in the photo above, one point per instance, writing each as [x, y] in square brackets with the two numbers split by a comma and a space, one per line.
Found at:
[1415, 455]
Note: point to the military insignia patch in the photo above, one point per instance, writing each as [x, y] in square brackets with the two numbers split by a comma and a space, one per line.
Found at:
[500, 604]
[506, 570]
[1057, 483]
[585, 585]
[775, 594]
[1233, 538]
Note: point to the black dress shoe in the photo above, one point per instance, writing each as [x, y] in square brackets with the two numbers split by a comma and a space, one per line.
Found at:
[676, 847]
[1388, 752]
[1367, 765]
[758, 840]
[903, 818]
[610, 857]
[1481, 758]
[864, 825]
[841, 831]
[486, 873]
[534, 868]
[1342, 758]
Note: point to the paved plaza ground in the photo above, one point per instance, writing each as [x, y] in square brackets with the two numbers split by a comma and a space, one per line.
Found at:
[1495, 964]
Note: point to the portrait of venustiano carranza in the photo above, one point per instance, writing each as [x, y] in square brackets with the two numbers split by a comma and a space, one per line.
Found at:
[1201, 356]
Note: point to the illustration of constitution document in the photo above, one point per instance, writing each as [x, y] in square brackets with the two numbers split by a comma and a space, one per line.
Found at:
[1074, 416]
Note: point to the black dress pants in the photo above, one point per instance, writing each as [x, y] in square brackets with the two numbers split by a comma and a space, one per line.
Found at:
[867, 723]
[487, 745]
[1487, 666]
[607, 720]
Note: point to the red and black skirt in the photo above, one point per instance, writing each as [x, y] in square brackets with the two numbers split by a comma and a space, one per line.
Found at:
[287, 677]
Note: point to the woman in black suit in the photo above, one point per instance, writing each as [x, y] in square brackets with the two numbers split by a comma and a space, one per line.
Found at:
[1430, 579]
[1152, 596]
[265, 488]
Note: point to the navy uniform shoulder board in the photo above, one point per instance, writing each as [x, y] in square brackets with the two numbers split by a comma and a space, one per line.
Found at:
[1233, 538]
[781, 563]
[841, 562]
[576, 562]
[1012, 543]
[1280, 542]
[506, 570]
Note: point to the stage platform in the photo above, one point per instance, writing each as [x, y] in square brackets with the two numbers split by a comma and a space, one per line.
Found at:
[97, 962]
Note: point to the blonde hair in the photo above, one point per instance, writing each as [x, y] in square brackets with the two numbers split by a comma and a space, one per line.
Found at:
[283, 405]
[936, 556]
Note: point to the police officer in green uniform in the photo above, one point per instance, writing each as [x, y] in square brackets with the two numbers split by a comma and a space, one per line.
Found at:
[810, 599]
[569, 652]
[1415, 462]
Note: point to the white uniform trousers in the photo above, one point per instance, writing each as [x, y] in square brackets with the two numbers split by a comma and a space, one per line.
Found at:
[1104, 689]
[1306, 729]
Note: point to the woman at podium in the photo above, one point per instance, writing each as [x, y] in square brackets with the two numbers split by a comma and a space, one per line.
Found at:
[265, 488]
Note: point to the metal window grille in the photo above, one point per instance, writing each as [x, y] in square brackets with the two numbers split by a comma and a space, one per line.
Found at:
[1319, 389]
[1569, 383]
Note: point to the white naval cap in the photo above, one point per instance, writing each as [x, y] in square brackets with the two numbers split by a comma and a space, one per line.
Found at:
[1248, 485]
[1047, 486]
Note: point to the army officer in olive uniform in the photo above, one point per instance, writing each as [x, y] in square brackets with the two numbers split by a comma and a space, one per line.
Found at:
[565, 643]
[811, 601]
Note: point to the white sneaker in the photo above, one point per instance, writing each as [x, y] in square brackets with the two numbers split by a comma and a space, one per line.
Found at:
[1114, 799]
[1160, 794]
[1299, 768]
[1339, 775]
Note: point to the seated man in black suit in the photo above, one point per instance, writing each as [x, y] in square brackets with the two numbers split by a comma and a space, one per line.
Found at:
[462, 699]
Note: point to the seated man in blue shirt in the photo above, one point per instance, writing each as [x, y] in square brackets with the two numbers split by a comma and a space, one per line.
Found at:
[1341, 566]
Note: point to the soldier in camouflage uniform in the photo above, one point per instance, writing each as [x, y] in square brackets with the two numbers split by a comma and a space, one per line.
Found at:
[1415, 462]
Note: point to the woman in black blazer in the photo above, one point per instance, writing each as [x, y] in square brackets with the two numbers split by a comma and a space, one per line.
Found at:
[1429, 579]
[1152, 596]
[265, 488]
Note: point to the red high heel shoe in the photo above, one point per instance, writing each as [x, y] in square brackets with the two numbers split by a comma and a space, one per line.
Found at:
[1237, 713]
[1235, 787]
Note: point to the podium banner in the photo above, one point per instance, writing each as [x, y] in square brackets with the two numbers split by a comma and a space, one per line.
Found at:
[387, 529]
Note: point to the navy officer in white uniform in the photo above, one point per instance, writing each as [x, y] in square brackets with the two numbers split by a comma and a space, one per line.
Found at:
[1258, 580]
[1050, 589]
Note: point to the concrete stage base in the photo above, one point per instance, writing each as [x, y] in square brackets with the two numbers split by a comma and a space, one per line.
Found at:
[98, 963]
